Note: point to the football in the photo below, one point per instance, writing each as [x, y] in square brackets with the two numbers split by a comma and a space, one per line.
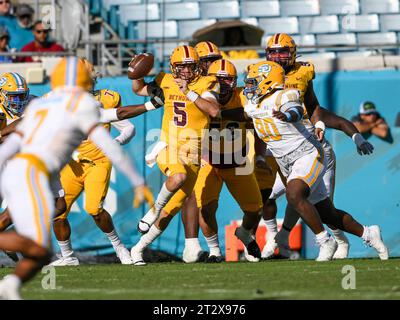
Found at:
[140, 66]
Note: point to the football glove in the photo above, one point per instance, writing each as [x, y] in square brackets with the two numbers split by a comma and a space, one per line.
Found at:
[363, 146]
[142, 194]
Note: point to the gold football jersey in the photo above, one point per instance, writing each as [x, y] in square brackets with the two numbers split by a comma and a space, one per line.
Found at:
[108, 99]
[227, 145]
[183, 122]
[299, 77]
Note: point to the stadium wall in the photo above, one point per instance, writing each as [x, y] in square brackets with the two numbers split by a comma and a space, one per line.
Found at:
[367, 187]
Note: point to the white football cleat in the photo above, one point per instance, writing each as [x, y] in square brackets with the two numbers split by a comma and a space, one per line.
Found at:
[147, 221]
[342, 251]
[8, 291]
[249, 257]
[327, 250]
[123, 255]
[65, 261]
[137, 257]
[375, 241]
[269, 248]
[191, 255]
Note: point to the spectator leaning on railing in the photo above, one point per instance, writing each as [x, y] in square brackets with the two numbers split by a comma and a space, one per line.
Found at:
[23, 32]
[369, 122]
[4, 40]
[41, 43]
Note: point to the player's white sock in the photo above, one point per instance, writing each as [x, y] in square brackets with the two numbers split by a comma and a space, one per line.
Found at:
[213, 245]
[322, 237]
[114, 239]
[162, 199]
[271, 225]
[66, 248]
[148, 238]
[339, 235]
[192, 244]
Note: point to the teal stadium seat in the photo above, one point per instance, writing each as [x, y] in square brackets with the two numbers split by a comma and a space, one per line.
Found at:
[260, 9]
[299, 8]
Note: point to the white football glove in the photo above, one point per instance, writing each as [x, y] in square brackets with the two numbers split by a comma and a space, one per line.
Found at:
[363, 146]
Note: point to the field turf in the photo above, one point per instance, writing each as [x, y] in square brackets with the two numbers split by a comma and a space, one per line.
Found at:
[276, 279]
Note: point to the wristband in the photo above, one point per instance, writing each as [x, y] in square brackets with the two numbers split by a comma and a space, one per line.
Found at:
[358, 139]
[192, 96]
[320, 125]
[288, 116]
[149, 106]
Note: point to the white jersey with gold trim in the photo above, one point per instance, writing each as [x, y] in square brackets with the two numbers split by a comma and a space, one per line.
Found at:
[281, 137]
[55, 126]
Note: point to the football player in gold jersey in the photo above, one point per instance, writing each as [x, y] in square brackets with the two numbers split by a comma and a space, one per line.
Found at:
[189, 101]
[299, 75]
[225, 164]
[208, 53]
[90, 171]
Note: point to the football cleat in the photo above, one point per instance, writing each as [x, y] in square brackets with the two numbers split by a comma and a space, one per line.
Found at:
[65, 261]
[8, 291]
[342, 251]
[137, 257]
[327, 250]
[215, 259]
[123, 255]
[192, 256]
[269, 248]
[375, 241]
[249, 257]
[249, 242]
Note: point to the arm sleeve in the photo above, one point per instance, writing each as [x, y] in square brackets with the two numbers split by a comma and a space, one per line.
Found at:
[10, 147]
[126, 129]
[108, 115]
[102, 139]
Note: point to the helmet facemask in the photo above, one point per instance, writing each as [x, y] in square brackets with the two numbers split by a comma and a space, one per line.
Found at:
[227, 84]
[283, 56]
[205, 63]
[186, 71]
[15, 102]
[251, 90]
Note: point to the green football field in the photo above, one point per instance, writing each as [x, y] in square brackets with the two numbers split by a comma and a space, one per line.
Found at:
[276, 279]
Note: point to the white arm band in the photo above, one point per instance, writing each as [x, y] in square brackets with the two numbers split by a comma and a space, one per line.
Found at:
[102, 139]
[9, 147]
[108, 115]
[320, 125]
[126, 129]
[192, 96]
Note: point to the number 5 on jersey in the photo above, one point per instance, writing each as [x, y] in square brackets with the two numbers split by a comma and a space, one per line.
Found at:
[180, 114]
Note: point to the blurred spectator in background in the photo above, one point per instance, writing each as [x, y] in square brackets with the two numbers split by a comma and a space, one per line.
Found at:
[23, 32]
[234, 37]
[6, 18]
[4, 40]
[369, 122]
[41, 42]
